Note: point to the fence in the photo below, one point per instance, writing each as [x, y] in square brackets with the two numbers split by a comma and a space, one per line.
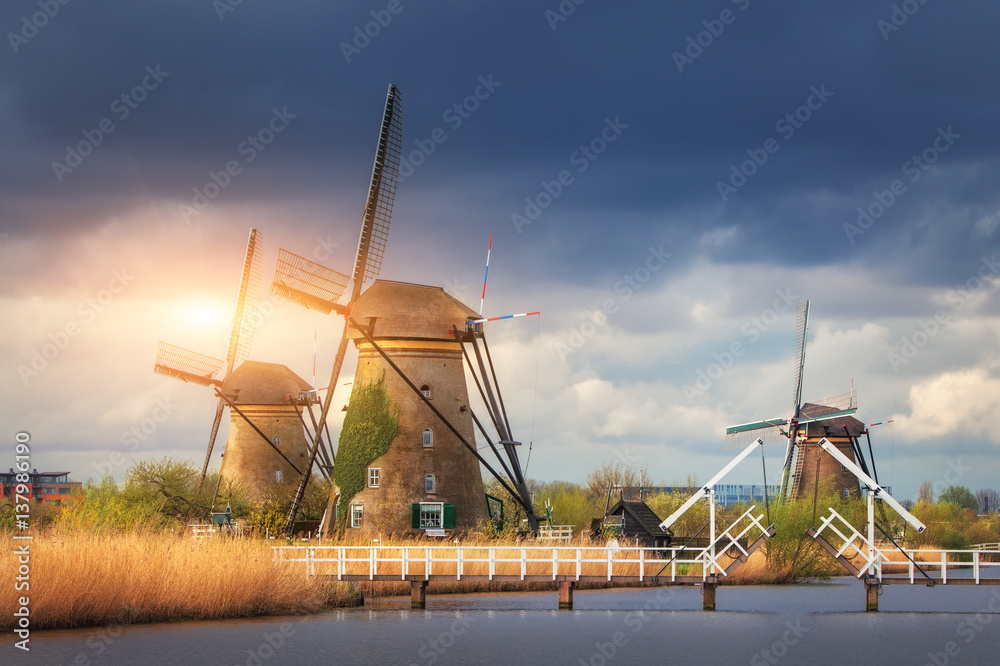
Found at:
[561, 533]
[504, 563]
[875, 561]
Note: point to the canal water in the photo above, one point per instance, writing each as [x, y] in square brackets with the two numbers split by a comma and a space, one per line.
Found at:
[821, 623]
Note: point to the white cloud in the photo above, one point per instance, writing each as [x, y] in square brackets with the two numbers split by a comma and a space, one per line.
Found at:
[960, 403]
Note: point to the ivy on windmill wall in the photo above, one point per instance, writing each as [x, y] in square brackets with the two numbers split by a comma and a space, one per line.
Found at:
[370, 425]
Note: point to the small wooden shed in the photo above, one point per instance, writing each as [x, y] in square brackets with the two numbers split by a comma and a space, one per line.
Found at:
[636, 520]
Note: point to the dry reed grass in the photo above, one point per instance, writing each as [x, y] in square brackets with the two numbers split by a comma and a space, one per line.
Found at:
[84, 579]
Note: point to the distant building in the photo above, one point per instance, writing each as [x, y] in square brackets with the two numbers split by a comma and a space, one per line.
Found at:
[727, 494]
[45, 487]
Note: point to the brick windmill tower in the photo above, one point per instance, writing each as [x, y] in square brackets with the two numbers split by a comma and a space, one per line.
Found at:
[265, 446]
[407, 459]
[426, 478]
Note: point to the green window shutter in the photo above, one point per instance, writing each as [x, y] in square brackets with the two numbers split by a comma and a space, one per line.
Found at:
[415, 516]
[449, 516]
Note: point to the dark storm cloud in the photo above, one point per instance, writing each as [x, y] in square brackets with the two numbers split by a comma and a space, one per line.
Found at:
[657, 183]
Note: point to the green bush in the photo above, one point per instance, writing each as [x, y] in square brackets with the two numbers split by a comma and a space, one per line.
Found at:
[370, 425]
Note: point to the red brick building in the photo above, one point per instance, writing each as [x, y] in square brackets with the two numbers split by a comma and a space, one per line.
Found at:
[44, 487]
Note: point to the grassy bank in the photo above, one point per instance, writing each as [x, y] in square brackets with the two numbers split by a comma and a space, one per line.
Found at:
[82, 579]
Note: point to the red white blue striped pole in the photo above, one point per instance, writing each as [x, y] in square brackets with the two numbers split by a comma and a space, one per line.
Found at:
[523, 314]
[880, 423]
[486, 275]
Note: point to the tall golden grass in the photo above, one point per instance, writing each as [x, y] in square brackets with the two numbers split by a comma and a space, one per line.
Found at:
[83, 579]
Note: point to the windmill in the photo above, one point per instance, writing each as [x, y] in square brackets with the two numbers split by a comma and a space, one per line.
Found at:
[402, 331]
[798, 428]
[197, 368]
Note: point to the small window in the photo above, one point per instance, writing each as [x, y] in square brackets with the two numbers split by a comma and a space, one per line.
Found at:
[357, 514]
[374, 475]
[277, 441]
[428, 438]
[425, 391]
[430, 485]
[278, 476]
[431, 515]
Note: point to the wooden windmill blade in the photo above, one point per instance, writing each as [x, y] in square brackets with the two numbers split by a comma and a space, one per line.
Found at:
[381, 195]
[802, 327]
[311, 285]
[371, 249]
[186, 365]
[244, 321]
[189, 366]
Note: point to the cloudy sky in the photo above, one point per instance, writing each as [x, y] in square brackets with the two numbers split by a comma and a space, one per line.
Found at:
[661, 179]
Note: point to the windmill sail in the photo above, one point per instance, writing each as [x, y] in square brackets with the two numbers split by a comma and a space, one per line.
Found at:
[311, 285]
[371, 249]
[802, 326]
[186, 365]
[246, 303]
[381, 195]
[189, 366]
[244, 321]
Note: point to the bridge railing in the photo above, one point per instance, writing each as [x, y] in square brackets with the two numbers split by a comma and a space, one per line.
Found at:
[855, 546]
[498, 563]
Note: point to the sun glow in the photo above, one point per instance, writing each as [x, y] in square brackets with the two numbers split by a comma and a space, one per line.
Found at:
[204, 314]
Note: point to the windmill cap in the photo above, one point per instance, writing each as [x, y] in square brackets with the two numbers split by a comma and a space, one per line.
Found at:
[261, 383]
[406, 310]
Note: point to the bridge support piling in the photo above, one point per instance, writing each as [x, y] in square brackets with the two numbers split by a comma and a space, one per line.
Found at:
[359, 596]
[872, 587]
[708, 593]
[418, 594]
[566, 594]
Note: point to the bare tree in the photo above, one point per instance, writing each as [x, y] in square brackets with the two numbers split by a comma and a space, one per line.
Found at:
[926, 493]
[989, 500]
[615, 474]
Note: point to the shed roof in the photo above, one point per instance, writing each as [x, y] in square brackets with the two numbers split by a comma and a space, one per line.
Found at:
[643, 515]
[262, 383]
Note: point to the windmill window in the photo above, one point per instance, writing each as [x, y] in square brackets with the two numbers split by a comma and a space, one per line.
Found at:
[277, 440]
[430, 484]
[278, 476]
[425, 391]
[431, 515]
[428, 438]
[374, 476]
[357, 514]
